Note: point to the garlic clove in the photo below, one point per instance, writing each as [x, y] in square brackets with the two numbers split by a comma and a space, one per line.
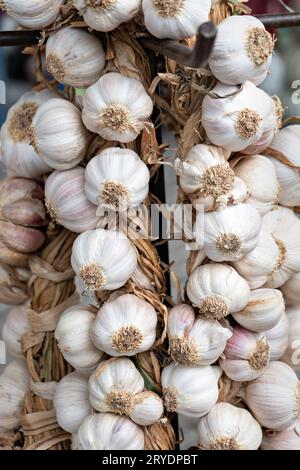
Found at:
[277, 338]
[180, 320]
[28, 212]
[22, 239]
[292, 353]
[291, 290]
[15, 189]
[33, 13]
[148, 409]
[289, 439]
[11, 257]
[15, 326]
[227, 427]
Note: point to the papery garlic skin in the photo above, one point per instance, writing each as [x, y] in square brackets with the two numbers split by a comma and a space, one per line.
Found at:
[292, 354]
[230, 234]
[14, 384]
[291, 290]
[15, 326]
[242, 51]
[116, 107]
[175, 20]
[125, 326]
[273, 398]
[17, 153]
[103, 259]
[73, 336]
[217, 290]
[106, 15]
[289, 439]
[264, 310]
[246, 355]
[195, 342]
[190, 391]
[79, 66]
[277, 338]
[105, 431]
[117, 178]
[71, 401]
[116, 386]
[264, 192]
[58, 134]
[235, 118]
[67, 203]
[286, 142]
[227, 427]
[33, 13]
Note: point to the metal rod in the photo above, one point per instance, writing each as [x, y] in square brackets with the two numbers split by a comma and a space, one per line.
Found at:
[283, 20]
[19, 38]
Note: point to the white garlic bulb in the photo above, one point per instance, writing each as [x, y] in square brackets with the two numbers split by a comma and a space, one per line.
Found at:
[116, 386]
[190, 391]
[289, 439]
[14, 384]
[246, 355]
[71, 401]
[58, 134]
[125, 326]
[264, 310]
[217, 290]
[195, 342]
[286, 142]
[178, 19]
[116, 107]
[235, 118]
[277, 338]
[284, 226]
[73, 336]
[17, 153]
[242, 51]
[230, 234]
[292, 354]
[15, 326]
[67, 203]
[33, 13]
[264, 192]
[105, 431]
[227, 427]
[291, 290]
[273, 398]
[103, 259]
[79, 66]
[106, 15]
[117, 178]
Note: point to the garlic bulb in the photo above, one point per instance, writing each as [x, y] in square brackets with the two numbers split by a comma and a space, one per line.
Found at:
[217, 290]
[79, 66]
[235, 118]
[117, 178]
[106, 15]
[178, 19]
[66, 201]
[58, 134]
[17, 153]
[277, 338]
[227, 427]
[105, 431]
[116, 107]
[286, 142]
[242, 51]
[291, 290]
[116, 386]
[103, 259]
[14, 384]
[292, 354]
[33, 13]
[190, 391]
[246, 355]
[289, 439]
[195, 342]
[125, 326]
[71, 401]
[263, 312]
[284, 226]
[273, 398]
[264, 192]
[15, 326]
[231, 234]
[73, 336]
